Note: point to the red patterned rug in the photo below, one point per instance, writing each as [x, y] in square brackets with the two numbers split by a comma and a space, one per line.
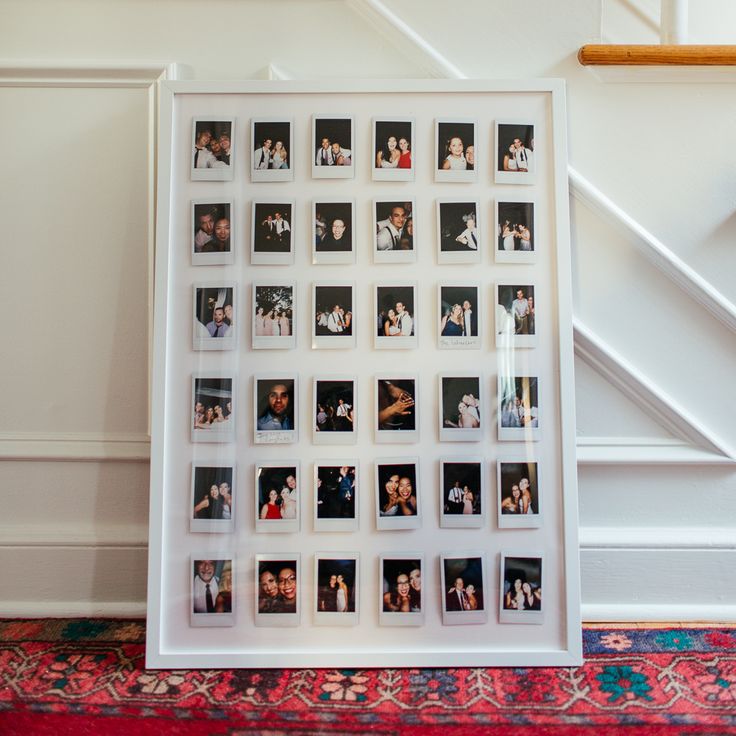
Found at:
[88, 677]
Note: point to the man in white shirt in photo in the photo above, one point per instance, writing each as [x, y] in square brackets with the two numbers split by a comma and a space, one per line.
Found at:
[389, 231]
[204, 590]
[404, 322]
[470, 328]
[262, 155]
[335, 323]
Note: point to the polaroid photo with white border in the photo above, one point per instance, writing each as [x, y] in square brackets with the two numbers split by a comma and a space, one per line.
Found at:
[278, 581]
[516, 315]
[400, 596]
[212, 227]
[396, 418]
[393, 149]
[213, 498]
[336, 588]
[455, 150]
[394, 232]
[272, 232]
[518, 408]
[515, 157]
[333, 146]
[333, 314]
[334, 226]
[212, 153]
[274, 321]
[398, 494]
[522, 584]
[459, 236]
[273, 151]
[335, 412]
[336, 495]
[519, 494]
[459, 316]
[275, 408]
[212, 418]
[463, 493]
[214, 316]
[514, 218]
[460, 407]
[212, 590]
[465, 588]
[395, 306]
[278, 491]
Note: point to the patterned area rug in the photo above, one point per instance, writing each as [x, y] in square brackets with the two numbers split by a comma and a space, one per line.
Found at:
[87, 677]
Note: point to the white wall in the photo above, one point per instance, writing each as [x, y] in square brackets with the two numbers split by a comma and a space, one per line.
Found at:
[654, 364]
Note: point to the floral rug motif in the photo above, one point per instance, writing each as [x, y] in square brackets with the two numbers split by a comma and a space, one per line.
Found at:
[86, 676]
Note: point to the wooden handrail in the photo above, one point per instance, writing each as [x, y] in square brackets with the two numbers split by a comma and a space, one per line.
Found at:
[645, 55]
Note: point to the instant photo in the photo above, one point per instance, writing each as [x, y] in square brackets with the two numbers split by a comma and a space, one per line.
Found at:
[336, 496]
[274, 318]
[521, 589]
[275, 409]
[458, 232]
[397, 408]
[460, 408]
[213, 326]
[518, 495]
[516, 236]
[334, 231]
[212, 591]
[277, 485]
[400, 599]
[212, 409]
[333, 323]
[393, 149]
[516, 316]
[459, 317]
[334, 411]
[394, 231]
[211, 231]
[212, 144]
[515, 163]
[272, 233]
[518, 408]
[271, 143]
[332, 137]
[337, 588]
[212, 498]
[397, 493]
[395, 307]
[463, 498]
[455, 148]
[463, 588]
[278, 581]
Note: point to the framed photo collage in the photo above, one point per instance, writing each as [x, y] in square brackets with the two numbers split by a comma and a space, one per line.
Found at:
[363, 416]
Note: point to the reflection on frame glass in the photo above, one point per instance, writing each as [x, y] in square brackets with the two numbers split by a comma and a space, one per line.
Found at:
[212, 409]
[516, 315]
[518, 495]
[518, 408]
[213, 326]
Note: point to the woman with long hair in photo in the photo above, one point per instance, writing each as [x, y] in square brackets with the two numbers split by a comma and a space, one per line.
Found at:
[532, 598]
[509, 160]
[405, 156]
[452, 322]
[407, 499]
[342, 595]
[526, 497]
[455, 155]
[508, 234]
[284, 326]
[391, 324]
[270, 509]
[389, 155]
[260, 322]
[514, 598]
[467, 501]
[278, 156]
[288, 505]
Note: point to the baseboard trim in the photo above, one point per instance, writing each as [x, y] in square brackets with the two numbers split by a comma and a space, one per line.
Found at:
[651, 612]
[83, 447]
[660, 539]
[74, 609]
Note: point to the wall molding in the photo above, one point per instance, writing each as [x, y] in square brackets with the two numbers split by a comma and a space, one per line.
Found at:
[97, 536]
[82, 447]
[657, 538]
[643, 451]
[47, 73]
[625, 377]
[74, 609]
[656, 612]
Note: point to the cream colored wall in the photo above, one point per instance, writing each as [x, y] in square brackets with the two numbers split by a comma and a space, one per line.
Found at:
[655, 343]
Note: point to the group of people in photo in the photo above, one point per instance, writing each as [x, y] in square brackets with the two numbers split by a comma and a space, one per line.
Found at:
[456, 156]
[271, 155]
[518, 312]
[216, 504]
[331, 153]
[335, 321]
[522, 595]
[274, 234]
[402, 593]
[396, 321]
[460, 499]
[277, 592]
[514, 236]
[517, 412]
[336, 492]
[398, 497]
[335, 596]
[212, 415]
[518, 157]
[394, 153]
[279, 503]
[458, 321]
[211, 146]
[463, 598]
[519, 500]
[273, 322]
[334, 416]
